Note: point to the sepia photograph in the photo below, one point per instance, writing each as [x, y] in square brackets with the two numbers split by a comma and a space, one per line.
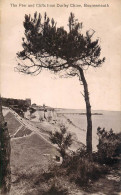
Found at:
[60, 97]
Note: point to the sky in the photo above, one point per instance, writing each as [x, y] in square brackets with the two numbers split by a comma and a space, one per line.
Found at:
[46, 88]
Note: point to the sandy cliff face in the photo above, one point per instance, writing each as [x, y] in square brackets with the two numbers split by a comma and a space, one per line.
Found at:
[41, 115]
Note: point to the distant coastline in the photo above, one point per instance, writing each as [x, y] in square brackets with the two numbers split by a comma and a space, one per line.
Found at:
[80, 113]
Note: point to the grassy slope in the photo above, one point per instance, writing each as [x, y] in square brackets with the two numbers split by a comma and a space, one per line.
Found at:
[29, 151]
[12, 122]
[23, 132]
[28, 159]
[30, 156]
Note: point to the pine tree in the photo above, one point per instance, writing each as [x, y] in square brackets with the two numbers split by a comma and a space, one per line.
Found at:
[67, 52]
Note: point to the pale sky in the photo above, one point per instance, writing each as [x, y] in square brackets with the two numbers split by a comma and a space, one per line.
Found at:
[46, 88]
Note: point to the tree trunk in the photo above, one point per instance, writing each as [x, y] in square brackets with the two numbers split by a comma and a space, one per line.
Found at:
[5, 150]
[88, 113]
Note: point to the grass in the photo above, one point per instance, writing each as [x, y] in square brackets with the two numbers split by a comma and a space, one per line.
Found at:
[12, 123]
[30, 157]
[23, 132]
[109, 184]
[29, 151]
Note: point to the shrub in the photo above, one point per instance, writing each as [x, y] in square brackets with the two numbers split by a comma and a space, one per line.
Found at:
[63, 139]
[56, 189]
[51, 181]
[109, 145]
[81, 169]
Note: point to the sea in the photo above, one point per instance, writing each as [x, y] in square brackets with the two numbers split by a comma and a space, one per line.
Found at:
[100, 118]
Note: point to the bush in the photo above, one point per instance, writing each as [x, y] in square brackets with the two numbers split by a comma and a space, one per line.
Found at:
[63, 139]
[52, 181]
[56, 189]
[81, 169]
[109, 145]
